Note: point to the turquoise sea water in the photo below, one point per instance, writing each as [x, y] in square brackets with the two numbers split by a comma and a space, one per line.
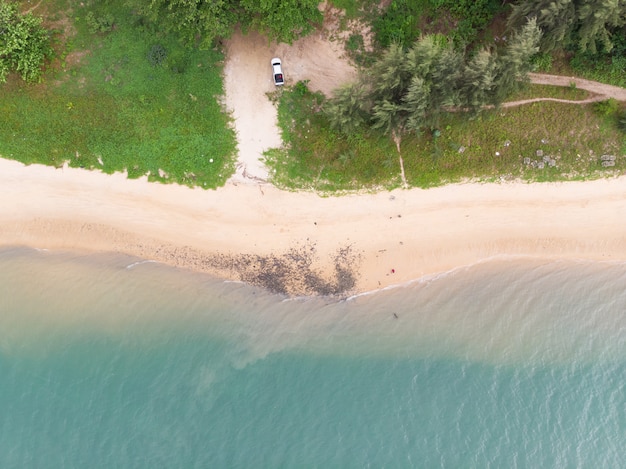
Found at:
[110, 363]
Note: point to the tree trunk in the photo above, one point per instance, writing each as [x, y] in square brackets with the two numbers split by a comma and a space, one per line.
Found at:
[397, 139]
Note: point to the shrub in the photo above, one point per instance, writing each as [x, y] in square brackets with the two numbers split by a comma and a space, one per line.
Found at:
[473, 16]
[606, 68]
[398, 24]
[400, 20]
[24, 43]
[301, 88]
[607, 108]
[622, 121]
[354, 43]
[157, 55]
[542, 62]
[100, 24]
[177, 62]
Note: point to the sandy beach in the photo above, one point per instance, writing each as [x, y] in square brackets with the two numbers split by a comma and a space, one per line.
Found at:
[301, 243]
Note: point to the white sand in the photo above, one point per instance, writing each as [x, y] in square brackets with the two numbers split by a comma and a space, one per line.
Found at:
[414, 232]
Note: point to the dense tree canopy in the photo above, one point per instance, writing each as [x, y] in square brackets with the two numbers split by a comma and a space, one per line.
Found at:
[462, 20]
[282, 20]
[587, 24]
[204, 21]
[24, 43]
[193, 20]
[406, 90]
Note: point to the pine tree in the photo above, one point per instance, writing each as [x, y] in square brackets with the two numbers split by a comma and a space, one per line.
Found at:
[597, 18]
[347, 110]
[444, 81]
[478, 83]
[417, 102]
[419, 82]
[514, 64]
[388, 77]
[556, 19]
[586, 23]
[406, 91]
[421, 57]
[389, 116]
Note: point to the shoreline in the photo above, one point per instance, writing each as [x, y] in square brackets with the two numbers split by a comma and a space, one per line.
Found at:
[298, 243]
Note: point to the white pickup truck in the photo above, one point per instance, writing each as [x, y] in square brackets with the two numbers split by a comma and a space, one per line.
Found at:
[277, 72]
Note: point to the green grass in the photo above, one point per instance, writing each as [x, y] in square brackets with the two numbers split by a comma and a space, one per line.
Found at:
[115, 111]
[321, 159]
[611, 70]
[575, 136]
[604, 69]
[549, 91]
[350, 7]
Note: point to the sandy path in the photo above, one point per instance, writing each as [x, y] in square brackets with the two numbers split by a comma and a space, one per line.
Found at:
[394, 237]
[593, 99]
[601, 89]
[248, 79]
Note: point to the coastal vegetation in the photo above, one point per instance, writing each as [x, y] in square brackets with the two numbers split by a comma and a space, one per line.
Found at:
[24, 43]
[407, 91]
[499, 144]
[120, 95]
[339, 144]
[201, 23]
[586, 37]
[127, 85]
